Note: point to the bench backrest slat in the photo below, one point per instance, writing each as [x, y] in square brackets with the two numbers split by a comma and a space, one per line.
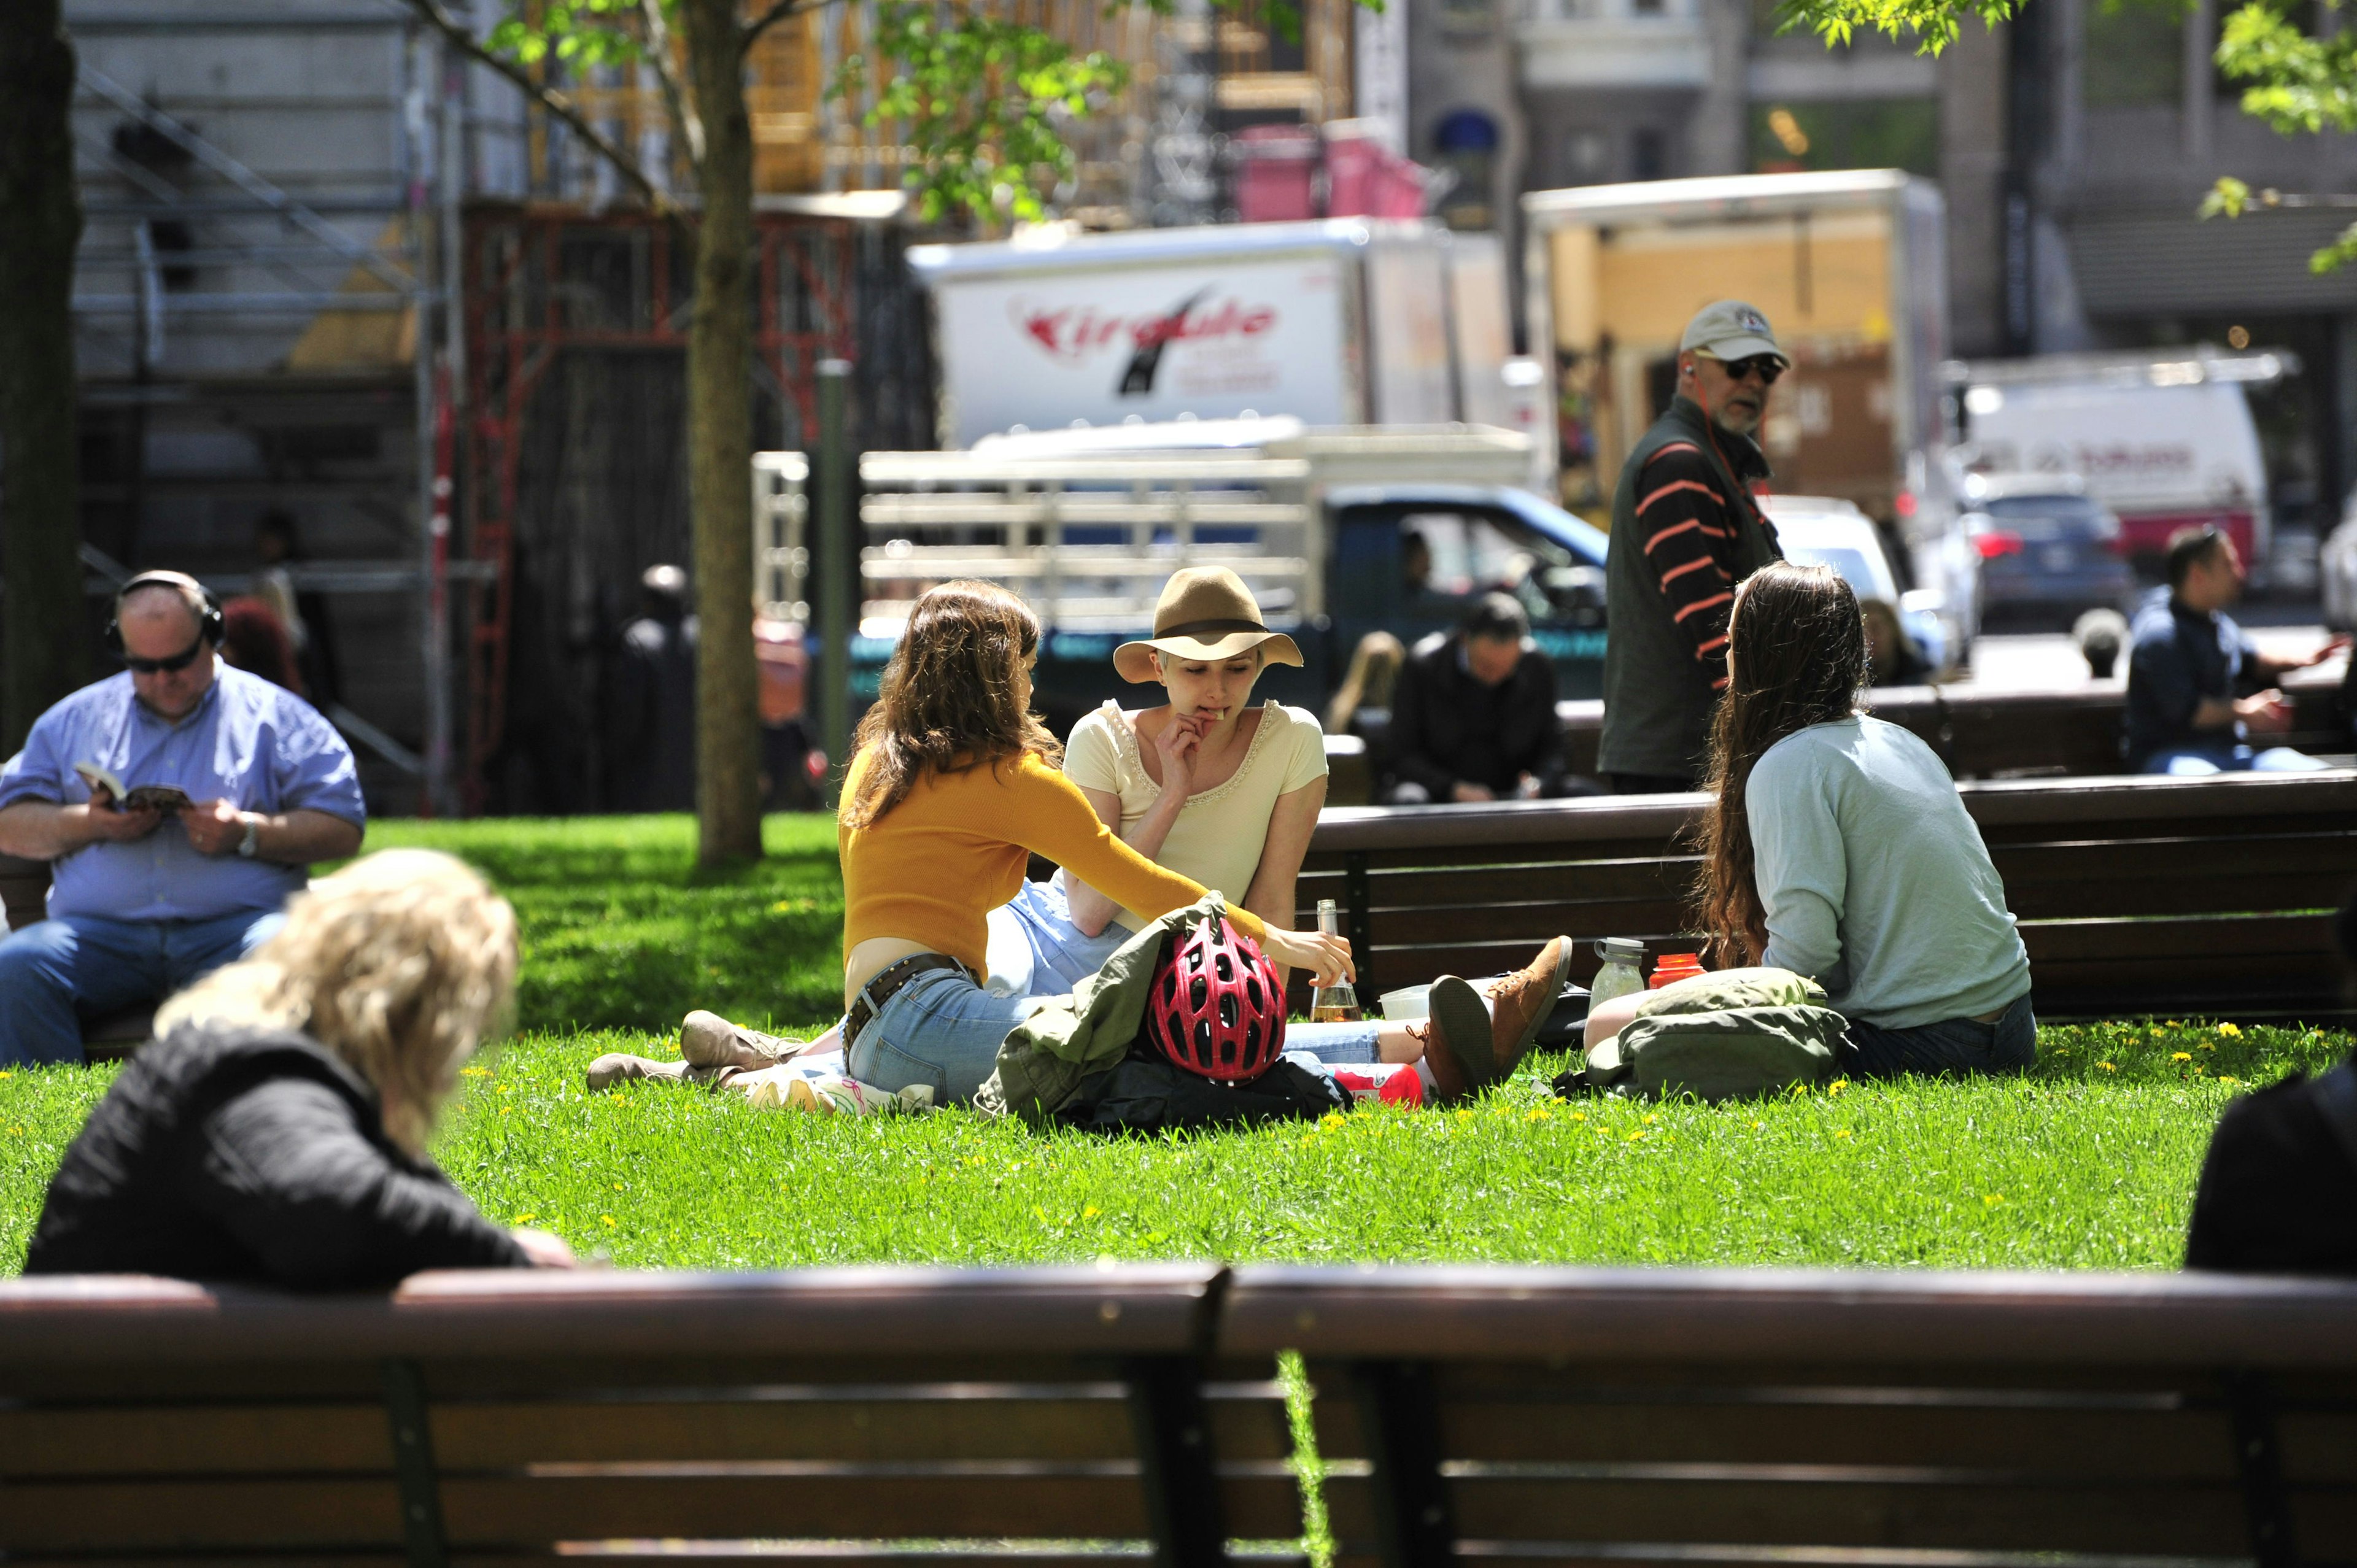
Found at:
[1700, 1416]
[514, 1414]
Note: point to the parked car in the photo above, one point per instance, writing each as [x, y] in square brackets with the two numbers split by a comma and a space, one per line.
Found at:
[2045, 543]
[1819, 530]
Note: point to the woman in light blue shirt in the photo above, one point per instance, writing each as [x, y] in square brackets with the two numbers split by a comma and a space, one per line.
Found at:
[1838, 848]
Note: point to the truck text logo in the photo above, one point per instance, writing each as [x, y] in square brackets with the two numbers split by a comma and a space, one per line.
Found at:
[1072, 333]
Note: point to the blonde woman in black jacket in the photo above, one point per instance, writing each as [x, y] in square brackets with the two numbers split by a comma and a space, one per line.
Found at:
[276, 1132]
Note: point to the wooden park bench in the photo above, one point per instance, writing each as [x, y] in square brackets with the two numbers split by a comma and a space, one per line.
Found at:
[1876, 1420]
[1060, 1418]
[24, 897]
[2137, 895]
[1033, 1417]
[1995, 733]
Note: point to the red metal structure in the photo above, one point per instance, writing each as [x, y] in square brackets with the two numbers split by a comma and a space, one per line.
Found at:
[540, 279]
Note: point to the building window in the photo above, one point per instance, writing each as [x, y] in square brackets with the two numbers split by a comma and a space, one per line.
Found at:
[1466, 143]
[1649, 153]
[2135, 56]
[1849, 132]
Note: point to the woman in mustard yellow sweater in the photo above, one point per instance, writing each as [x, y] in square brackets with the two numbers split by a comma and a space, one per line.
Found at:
[953, 786]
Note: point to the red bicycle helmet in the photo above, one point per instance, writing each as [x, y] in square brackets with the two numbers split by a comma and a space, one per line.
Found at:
[1216, 1007]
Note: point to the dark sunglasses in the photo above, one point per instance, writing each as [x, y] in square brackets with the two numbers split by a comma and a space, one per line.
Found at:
[172, 666]
[1766, 366]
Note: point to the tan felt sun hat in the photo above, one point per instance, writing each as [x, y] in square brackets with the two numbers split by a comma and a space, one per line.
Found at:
[1205, 612]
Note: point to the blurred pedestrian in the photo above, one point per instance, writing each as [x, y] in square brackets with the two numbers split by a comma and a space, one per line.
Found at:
[1890, 656]
[782, 658]
[1685, 530]
[254, 639]
[275, 1133]
[1473, 716]
[1368, 684]
[650, 721]
[303, 611]
[2199, 688]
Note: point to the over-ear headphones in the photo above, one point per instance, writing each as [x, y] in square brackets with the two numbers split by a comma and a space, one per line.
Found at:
[199, 599]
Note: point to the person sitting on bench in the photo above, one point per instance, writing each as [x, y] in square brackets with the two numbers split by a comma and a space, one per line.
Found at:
[1473, 716]
[275, 1133]
[2198, 687]
[1836, 847]
[232, 787]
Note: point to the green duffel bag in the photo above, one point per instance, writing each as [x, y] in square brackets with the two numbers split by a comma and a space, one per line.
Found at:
[1726, 1036]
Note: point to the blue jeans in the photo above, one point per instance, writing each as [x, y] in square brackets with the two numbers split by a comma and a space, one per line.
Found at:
[943, 1030]
[2199, 761]
[58, 971]
[1951, 1049]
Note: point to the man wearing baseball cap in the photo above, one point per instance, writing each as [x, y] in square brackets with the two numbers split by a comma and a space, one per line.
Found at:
[1685, 530]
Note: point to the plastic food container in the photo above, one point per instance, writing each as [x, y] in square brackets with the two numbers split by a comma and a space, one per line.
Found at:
[1406, 1004]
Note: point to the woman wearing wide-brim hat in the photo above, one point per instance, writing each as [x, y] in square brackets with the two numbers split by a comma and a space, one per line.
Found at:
[1221, 789]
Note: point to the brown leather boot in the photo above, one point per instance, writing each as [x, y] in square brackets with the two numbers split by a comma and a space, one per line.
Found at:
[1520, 1003]
[708, 1040]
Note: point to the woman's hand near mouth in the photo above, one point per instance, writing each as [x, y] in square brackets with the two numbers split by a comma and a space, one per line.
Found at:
[1175, 748]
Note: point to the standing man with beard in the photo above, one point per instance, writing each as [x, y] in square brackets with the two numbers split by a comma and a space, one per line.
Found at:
[1685, 530]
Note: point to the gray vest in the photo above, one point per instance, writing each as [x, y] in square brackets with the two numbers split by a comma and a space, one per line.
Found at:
[1657, 699]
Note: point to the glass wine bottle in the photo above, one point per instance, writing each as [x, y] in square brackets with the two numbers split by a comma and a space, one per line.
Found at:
[1336, 1004]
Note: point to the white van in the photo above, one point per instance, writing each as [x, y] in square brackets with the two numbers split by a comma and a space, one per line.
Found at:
[2163, 443]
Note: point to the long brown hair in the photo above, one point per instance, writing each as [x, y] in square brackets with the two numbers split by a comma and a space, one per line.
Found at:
[1796, 657]
[954, 696]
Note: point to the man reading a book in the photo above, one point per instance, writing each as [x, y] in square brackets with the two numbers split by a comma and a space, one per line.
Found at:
[179, 803]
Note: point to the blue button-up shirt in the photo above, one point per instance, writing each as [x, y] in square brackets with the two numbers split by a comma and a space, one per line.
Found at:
[248, 742]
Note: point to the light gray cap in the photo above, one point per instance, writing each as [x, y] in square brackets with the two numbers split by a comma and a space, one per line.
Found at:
[1730, 329]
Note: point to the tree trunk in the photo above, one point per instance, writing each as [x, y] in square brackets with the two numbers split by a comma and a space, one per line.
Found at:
[720, 444]
[42, 651]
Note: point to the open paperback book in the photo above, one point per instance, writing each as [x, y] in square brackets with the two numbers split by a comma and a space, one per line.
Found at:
[146, 797]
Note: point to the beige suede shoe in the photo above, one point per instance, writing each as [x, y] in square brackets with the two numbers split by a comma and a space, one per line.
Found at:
[708, 1040]
[617, 1067]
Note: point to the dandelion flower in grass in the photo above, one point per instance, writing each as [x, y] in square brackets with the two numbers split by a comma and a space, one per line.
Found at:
[2222, 1077]
[2107, 1066]
[1636, 1137]
[1991, 1199]
[2231, 1031]
[610, 1222]
[1579, 1115]
[2209, 1046]
[1841, 1133]
[2181, 1056]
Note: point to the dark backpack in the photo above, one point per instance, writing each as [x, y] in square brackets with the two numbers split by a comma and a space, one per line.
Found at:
[1143, 1093]
[2278, 1188]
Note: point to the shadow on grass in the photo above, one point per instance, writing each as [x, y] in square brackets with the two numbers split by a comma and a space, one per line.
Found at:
[622, 930]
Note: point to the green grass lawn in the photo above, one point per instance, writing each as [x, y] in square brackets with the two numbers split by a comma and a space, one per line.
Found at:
[2088, 1161]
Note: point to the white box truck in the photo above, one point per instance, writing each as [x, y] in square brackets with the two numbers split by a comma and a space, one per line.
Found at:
[1347, 321]
[2164, 439]
[1850, 269]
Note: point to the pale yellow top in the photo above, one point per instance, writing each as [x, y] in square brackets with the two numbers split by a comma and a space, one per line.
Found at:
[1219, 833]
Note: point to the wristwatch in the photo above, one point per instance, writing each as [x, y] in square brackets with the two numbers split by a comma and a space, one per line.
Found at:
[252, 842]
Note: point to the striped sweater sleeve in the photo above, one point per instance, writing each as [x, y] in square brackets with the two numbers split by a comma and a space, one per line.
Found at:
[1684, 526]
